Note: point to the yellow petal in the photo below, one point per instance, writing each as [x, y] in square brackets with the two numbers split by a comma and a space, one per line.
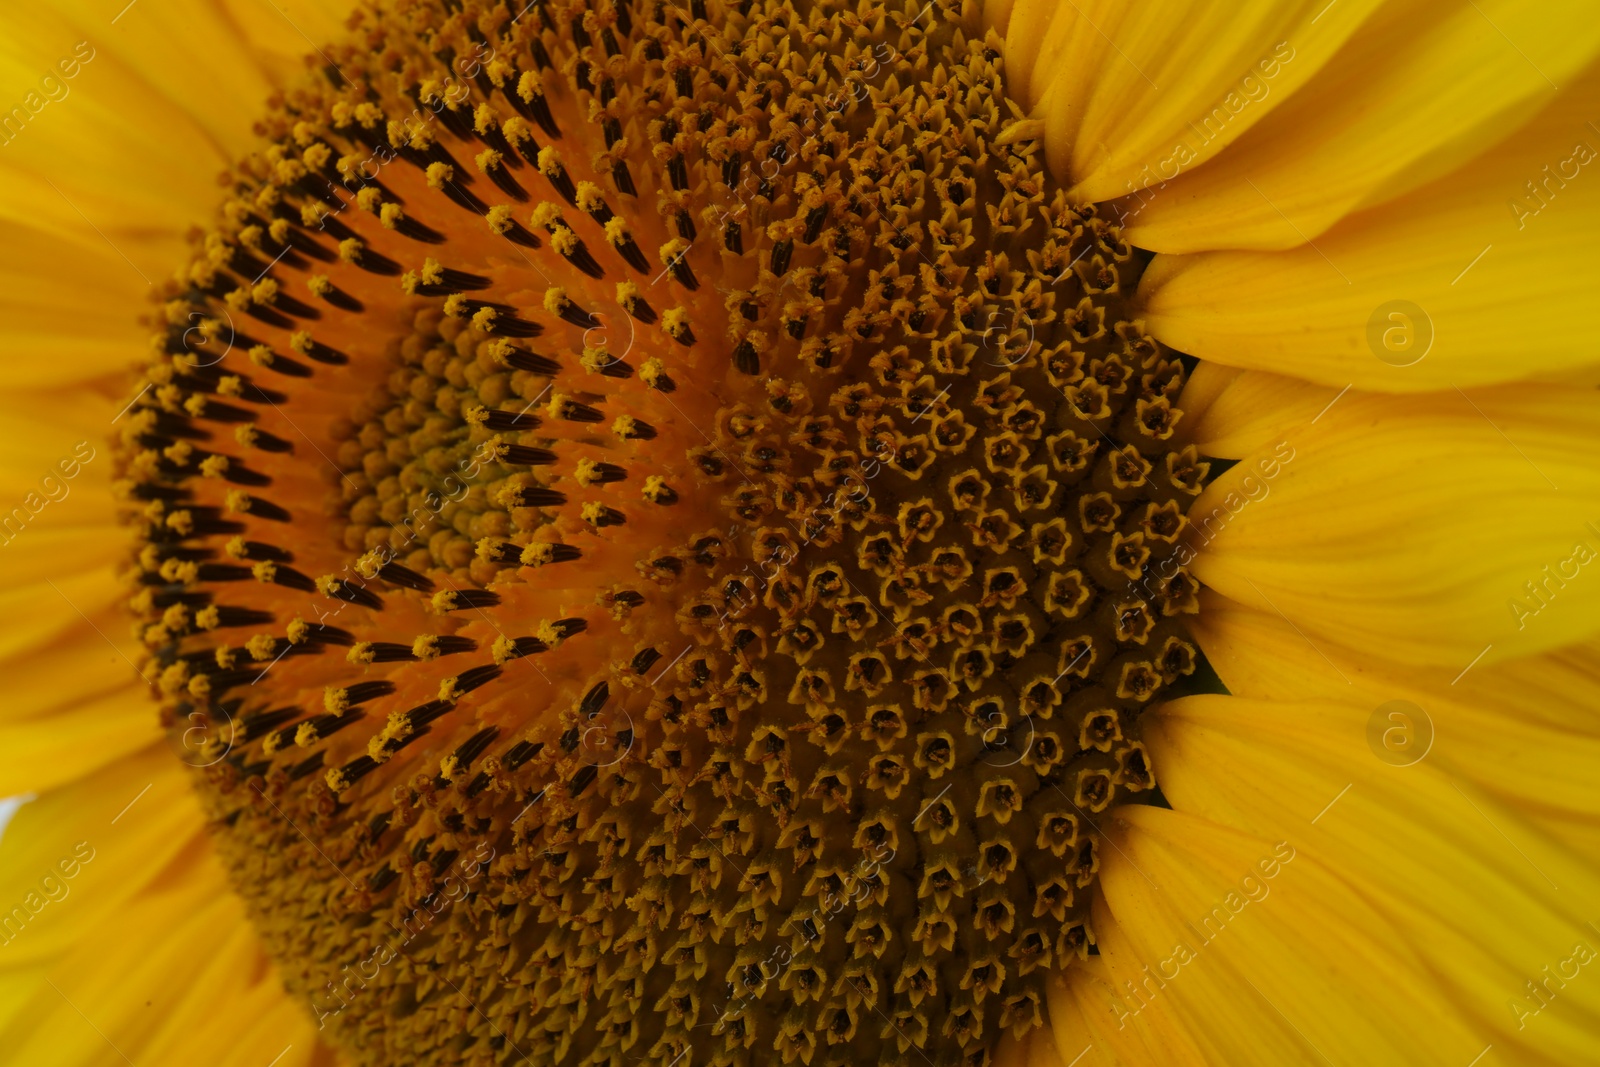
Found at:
[1417, 91]
[137, 948]
[997, 14]
[1244, 413]
[156, 819]
[1132, 92]
[57, 450]
[79, 732]
[134, 124]
[1474, 278]
[1208, 381]
[212, 62]
[75, 700]
[56, 445]
[1259, 654]
[50, 604]
[123, 130]
[1445, 876]
[1036, 1048]
[1291, 968]
[1433, 530]
[59, 538]
[1524, 730]
[59, 334]
[1093, 1021]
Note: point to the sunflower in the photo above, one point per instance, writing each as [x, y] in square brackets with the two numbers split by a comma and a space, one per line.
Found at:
[760, 532]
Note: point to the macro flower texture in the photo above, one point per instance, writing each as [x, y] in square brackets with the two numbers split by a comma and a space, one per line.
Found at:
[729, 533]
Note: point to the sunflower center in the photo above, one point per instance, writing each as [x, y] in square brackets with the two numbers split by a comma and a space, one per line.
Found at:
[658, 527]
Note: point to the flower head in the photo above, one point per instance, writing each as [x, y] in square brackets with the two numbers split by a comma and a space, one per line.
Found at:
[676, 533]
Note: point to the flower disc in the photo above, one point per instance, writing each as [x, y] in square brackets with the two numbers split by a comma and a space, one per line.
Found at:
[662, 525]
